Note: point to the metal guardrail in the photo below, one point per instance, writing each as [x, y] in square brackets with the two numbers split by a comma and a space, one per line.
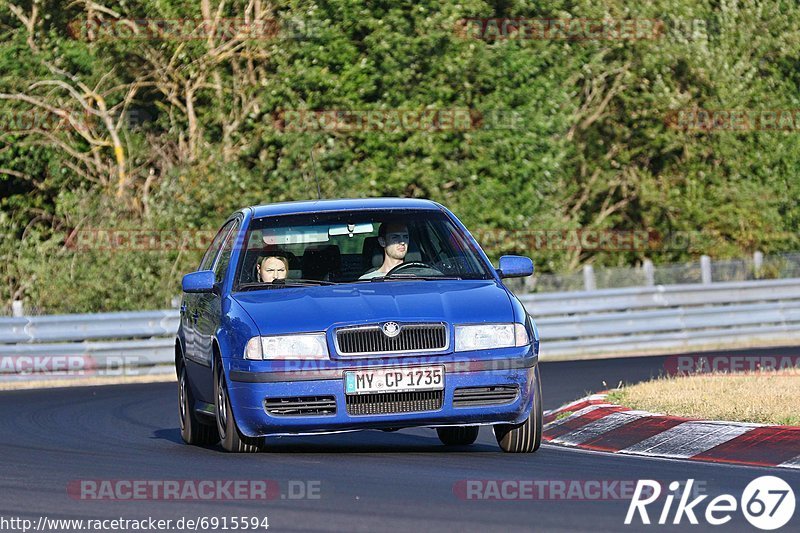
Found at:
[666, 317]
[670, 318]
[65, 328]
[88, 344]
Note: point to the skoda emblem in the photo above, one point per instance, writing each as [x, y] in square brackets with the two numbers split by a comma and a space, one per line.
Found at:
[391, 329]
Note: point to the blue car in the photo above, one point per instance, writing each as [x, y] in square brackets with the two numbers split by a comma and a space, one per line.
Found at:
[342, 315]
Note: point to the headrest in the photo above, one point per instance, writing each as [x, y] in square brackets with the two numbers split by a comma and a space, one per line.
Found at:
[319, 262]
[371, 252]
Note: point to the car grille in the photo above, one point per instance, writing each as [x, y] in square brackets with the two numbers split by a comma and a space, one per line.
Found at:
[477, 396]
[394, 402]
[364, 340]
[301, 406]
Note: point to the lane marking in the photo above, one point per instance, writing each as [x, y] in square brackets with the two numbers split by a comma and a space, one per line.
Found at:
[687, 439]
[764, 445]
[633, 433]
[598, 427]
[582, 402]
[577, 414]
[792, 463]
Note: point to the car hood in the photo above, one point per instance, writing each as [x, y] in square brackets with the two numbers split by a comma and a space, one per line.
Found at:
[291, 310]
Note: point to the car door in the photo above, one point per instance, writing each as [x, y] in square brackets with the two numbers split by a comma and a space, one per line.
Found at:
[209, 308]
[197, 366]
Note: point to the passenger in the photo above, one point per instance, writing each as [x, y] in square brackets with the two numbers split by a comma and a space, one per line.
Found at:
[393, 238]
[272, 267]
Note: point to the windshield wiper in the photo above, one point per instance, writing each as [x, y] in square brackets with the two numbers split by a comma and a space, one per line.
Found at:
[305, 281]
[281, 283]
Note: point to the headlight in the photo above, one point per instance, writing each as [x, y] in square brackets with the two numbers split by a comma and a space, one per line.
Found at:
[304, 346]
[485, 337]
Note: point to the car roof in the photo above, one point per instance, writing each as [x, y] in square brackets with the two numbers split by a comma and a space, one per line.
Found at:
[348, 204]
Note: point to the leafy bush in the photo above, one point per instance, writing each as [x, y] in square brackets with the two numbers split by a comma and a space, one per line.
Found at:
[176, 134]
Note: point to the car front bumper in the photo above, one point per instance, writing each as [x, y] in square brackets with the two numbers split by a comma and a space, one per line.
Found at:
[248, 390]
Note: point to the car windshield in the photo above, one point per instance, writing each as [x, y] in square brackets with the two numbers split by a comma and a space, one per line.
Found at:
[356, 246]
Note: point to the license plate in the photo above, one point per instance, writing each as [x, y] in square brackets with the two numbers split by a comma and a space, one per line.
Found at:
[394, 380]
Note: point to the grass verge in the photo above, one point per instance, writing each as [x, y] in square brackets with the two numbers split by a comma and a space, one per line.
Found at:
[764, 397]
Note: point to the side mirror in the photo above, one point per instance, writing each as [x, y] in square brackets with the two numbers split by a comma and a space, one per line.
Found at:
[515, 266]
[201, 281]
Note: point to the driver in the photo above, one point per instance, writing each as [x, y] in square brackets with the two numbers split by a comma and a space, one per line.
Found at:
[393, 238]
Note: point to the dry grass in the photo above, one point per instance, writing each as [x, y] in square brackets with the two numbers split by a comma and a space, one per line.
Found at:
[766, 397]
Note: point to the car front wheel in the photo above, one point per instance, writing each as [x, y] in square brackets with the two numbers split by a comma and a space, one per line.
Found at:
[525, 437]
[229, 435]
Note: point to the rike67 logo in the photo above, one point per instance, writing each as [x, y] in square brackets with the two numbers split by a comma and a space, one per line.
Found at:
[767, 503]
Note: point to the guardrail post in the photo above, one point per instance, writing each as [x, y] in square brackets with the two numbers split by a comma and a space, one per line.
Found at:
[758, 262]
[705, 269]
[17, 308]
[529, 284]
[649, 273]
[588, 278]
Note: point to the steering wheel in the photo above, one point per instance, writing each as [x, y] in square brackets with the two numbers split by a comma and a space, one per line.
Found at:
[411, 264]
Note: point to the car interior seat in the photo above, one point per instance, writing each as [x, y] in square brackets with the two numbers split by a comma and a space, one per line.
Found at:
[322, 263]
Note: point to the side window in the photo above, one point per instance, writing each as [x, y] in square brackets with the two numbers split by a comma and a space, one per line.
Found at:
[211, 253]
[225, 254]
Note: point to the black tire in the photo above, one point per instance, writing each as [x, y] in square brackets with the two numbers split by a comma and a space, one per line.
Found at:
[230, 437]
[193, 430]
[525, 437]
[458, 436]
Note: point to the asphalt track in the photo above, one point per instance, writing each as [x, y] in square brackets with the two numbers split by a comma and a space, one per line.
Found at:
[368, 481]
